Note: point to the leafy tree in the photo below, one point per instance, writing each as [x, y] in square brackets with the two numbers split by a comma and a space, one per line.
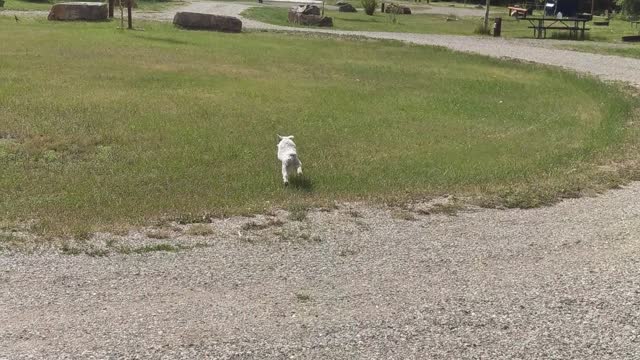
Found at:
[630, 8]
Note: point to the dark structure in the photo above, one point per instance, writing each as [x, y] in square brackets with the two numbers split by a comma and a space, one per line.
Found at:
[568, 8]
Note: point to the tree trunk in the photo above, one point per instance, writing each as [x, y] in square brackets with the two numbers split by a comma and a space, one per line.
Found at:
[129, 17]
[121, 14]
[486, 15]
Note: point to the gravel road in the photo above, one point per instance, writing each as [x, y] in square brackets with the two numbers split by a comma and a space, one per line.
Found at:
[355, 282]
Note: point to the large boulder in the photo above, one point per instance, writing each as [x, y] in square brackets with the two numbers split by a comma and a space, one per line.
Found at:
[79, 11]
[308, 15]
[190, 20]
[397, 9]
[306, 9]
[346, 8]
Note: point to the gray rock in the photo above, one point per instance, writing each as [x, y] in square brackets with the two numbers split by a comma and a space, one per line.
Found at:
[397, 9]
[347, 8]
[308, 15]
[79, 11]
[190, 20]
[306, 9]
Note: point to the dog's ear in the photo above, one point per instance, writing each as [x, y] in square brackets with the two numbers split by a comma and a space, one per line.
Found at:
[279, 137]
[290, 137]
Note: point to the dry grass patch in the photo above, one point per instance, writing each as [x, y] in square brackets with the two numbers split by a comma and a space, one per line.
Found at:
[158, 234]
[200, 230]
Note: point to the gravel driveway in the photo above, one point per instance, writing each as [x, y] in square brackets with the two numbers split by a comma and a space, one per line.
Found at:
[355, 282]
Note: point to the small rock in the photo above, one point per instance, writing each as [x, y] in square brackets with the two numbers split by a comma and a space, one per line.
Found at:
[397, 9]
[347, 8]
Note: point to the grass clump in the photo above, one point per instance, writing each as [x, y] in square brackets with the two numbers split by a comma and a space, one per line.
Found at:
[450, 209]
[158, 234]
[566, 35]
[369, 6]
[255, 226]
[148, 249]
[68, 249]
[297, 212]
[200, 230]
[482, 30]
[403, 215]
[303, 296]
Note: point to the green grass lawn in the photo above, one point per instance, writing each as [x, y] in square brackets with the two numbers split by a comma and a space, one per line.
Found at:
[147, 5]
[433, 24]
[101, 127]
[424, 23]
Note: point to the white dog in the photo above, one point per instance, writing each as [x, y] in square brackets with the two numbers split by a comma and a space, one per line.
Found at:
[289, 156]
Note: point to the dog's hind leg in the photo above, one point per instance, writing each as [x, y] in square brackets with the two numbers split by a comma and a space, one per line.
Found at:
[285, 174]
[299, 168]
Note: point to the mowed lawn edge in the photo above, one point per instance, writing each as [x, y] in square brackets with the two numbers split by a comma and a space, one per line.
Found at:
[101, 128]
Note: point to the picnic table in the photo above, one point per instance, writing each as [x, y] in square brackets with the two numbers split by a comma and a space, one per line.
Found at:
[575, 26]
[517, 11]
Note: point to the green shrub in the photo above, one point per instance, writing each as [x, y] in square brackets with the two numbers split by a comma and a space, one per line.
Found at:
[369, 6]
[631, 8]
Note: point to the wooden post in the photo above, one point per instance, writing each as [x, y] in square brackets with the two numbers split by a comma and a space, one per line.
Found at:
[129, 19]
[486, 15]
[112, 4]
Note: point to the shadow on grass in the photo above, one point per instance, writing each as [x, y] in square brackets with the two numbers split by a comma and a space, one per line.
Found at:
[301, 183]
[163, 40]
[357, 20]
